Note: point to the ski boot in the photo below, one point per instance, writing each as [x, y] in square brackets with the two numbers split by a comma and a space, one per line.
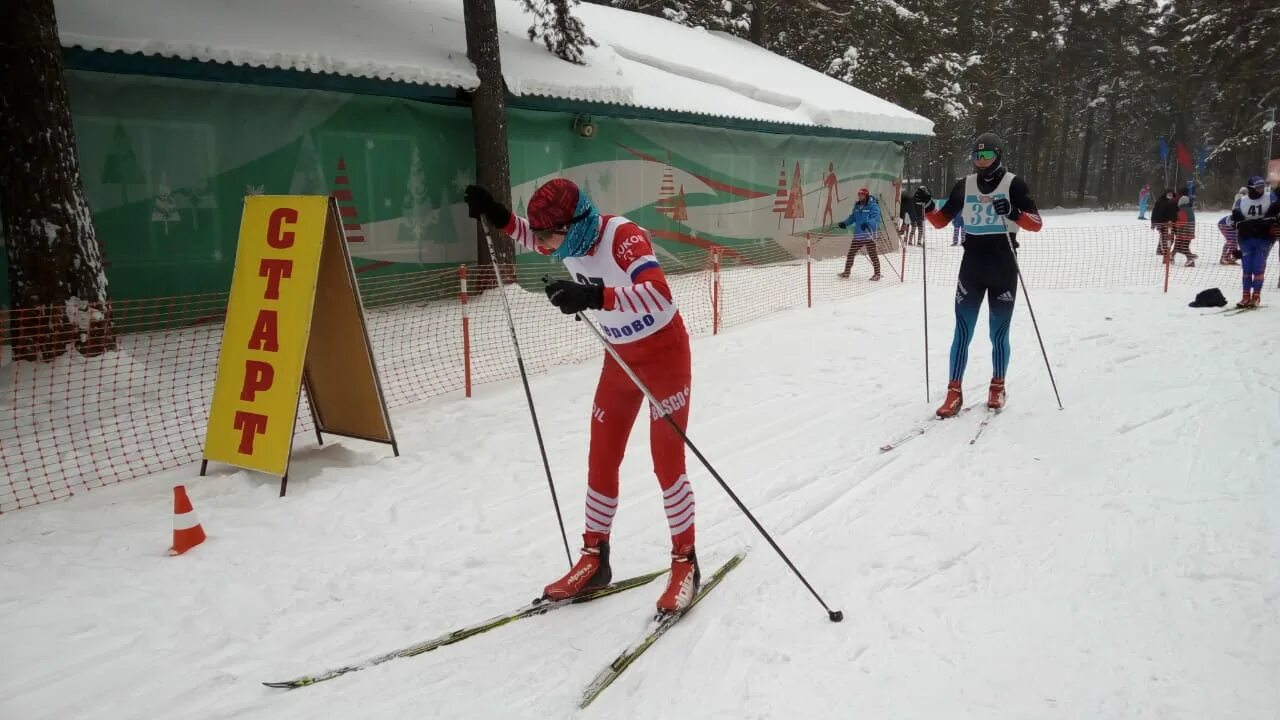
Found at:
[844, 274]
[683, 582]
[995, 394]
[875, 277]
[955, 399]
[1246, 301]
[590, 572]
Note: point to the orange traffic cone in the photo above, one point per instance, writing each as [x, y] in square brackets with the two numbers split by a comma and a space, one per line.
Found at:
[187, 532]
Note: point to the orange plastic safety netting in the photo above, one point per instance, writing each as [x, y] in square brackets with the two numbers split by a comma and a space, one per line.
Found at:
[77, 423]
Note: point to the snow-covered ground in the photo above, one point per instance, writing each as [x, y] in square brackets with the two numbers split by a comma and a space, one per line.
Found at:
[1118, 559]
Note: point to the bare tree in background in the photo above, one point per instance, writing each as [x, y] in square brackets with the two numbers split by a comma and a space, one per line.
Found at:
[57, 287]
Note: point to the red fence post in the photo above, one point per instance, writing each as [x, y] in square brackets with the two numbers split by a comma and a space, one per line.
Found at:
[466, 331]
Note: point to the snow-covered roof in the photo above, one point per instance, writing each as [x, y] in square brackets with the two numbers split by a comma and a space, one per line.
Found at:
[641, 61]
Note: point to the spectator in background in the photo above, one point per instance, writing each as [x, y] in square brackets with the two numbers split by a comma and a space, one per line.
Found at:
[1184, 230]
[864, 220]
[915, 213]
[1230, 246]
[1163, 216]
[903, 216]
[1144, 196]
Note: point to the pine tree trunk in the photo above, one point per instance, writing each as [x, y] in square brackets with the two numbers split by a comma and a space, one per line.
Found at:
[57, 286]
[1060, 172]
[1107, 191]
[759, 27]
[1087, 150]
[1037, 148]
[489, 123]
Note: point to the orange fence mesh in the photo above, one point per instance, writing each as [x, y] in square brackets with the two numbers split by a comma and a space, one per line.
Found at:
[76, 423]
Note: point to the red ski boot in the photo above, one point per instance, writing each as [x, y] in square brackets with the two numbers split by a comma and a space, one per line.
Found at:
[1246, 301]
[995, 394]
[590, 572]
[955, 399]
[684, 581]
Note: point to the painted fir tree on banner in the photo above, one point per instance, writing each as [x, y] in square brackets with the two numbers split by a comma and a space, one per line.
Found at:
[308, 173]
[795, 199]
[121, 166]
[680, 211]
[781, 197]
[165, 209]
[667, 190]
[347, 203]
[417, 214]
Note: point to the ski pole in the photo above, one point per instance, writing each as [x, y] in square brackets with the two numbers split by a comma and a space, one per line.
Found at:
[524, 379]
[832, 615]
[1018, 267]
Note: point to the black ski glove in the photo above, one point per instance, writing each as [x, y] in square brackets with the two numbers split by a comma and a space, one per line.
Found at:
[842, 226]
[480, 204]
[1003, 207]
[572, 297]
[923, 196]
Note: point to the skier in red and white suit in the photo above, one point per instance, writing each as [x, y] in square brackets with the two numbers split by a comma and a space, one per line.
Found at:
[615, 274]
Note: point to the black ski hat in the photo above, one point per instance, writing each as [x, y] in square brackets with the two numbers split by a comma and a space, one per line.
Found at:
[989, 141]
[1212, 297]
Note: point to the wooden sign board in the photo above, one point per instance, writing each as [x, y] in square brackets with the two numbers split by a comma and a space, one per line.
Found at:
[295, 322]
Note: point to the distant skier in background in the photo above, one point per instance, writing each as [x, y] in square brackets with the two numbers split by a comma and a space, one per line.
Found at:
[864, 220]
[1144, 195]
[1163, 215]
[1257, 220]
[617, 275]
[1184, 230]
[995, 204]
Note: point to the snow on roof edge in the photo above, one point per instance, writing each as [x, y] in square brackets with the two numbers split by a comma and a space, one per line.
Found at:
[240, 57]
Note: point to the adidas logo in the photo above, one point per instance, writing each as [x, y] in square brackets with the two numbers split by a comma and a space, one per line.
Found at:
[1005, 296]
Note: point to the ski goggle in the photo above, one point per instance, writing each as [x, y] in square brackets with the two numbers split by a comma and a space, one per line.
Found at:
[545, 234]
[984, 154]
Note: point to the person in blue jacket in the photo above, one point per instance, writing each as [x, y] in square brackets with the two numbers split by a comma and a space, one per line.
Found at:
[865, 222]
[1144, 195]
[1257, 220]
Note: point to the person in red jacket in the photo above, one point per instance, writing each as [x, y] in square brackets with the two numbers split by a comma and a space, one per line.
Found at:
[995, 204]
[617, 276]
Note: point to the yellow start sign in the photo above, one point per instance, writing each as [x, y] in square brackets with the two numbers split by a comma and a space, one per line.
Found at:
[294, 321]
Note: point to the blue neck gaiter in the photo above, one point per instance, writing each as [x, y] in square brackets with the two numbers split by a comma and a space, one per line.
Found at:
[583, 233]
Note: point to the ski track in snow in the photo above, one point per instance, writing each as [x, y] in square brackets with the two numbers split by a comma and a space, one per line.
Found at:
[1114, 560]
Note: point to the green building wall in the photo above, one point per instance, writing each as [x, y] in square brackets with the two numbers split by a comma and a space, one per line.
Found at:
[166, 163]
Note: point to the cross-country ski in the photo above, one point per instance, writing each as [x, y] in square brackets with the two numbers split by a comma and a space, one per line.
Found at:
[537, 607]
[660, 625]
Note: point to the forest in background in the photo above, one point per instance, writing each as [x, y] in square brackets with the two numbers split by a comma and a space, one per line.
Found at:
[1082, 93]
